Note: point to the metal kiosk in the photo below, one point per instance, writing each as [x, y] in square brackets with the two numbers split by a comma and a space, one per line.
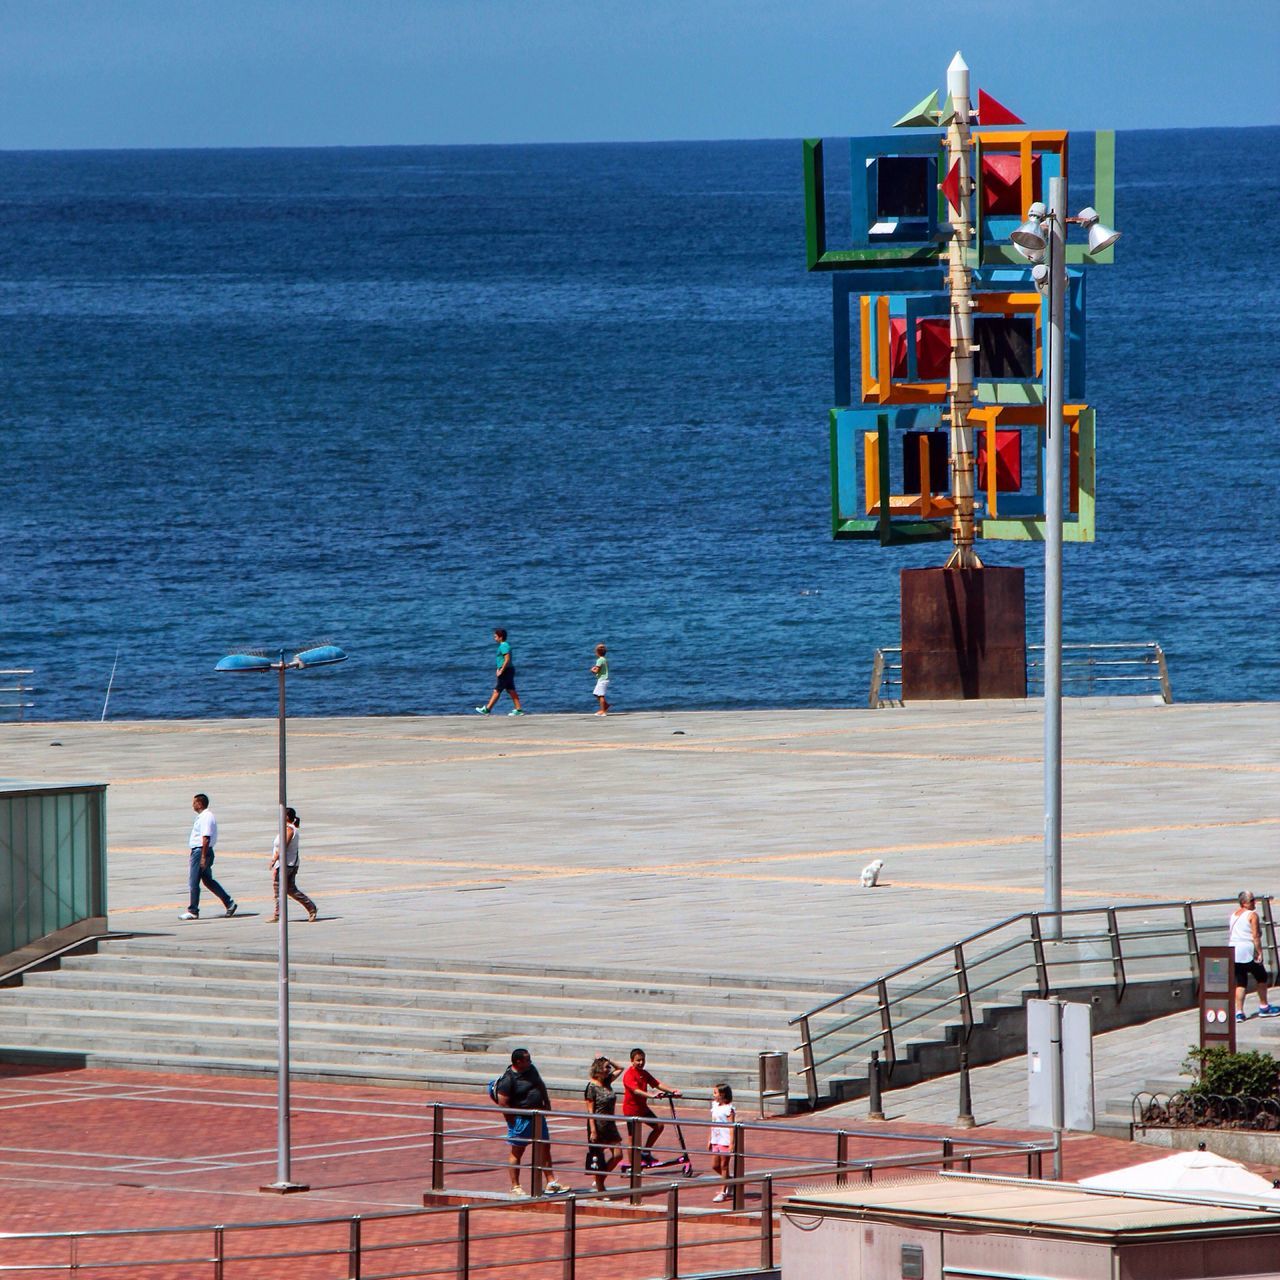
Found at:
[1217, 998]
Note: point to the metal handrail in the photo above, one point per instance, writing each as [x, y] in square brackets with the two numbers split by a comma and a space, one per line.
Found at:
[22, 688]
[1082, 665]
[938, 1150]
[876, 1018]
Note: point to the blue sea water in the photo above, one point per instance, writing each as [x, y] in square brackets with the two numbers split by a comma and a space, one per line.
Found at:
[394, 397]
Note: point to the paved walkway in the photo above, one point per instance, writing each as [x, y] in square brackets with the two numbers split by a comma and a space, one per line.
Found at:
[91, 1150]
[1124, 1062]
[711, 842]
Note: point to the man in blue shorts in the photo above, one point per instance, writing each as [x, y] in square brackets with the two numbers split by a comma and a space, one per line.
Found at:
[505, 679]
[521, 1088]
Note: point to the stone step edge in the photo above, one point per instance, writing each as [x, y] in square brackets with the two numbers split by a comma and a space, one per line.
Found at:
[494, 1059]
[316, 1073]
[264, 988]
[368, 1039]
[818, 986]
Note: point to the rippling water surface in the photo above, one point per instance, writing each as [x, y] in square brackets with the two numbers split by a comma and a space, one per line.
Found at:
[393, 397]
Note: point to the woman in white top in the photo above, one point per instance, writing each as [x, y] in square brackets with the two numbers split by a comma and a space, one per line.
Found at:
[292, 823]
[1245, 939]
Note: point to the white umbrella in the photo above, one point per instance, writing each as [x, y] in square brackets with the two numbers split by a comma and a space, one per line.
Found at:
[1194, 1171]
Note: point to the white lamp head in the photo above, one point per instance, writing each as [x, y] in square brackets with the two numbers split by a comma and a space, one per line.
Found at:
[1040, 277]
[1100, 235]
[1030, 237]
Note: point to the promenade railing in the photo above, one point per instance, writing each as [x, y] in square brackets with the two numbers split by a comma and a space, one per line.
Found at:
[15, 693]
[937, 997]
[1135, 669]
[642, 1229]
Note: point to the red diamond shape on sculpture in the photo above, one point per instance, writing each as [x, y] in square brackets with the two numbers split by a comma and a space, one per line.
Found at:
[933, 349]
[992, 112]
[898, 348]
[951, 186]
[1008, 461]
[1002, 183]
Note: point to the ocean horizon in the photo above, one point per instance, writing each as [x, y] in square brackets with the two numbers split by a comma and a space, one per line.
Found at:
[393, 397]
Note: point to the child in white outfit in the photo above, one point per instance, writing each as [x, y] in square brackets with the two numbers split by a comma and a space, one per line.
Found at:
[600, 669]
[720, 1140]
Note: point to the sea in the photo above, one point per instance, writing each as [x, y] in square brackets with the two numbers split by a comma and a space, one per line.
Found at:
[393, 397]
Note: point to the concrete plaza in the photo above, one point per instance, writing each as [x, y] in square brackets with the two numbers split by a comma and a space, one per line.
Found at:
[698, 842]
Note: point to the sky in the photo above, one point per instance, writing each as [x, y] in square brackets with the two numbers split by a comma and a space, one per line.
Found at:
[213, 73]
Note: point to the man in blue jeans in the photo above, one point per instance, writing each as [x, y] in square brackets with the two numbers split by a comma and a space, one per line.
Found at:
[204, 835]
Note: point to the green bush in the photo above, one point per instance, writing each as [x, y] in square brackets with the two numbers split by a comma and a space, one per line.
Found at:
[1252, 1074]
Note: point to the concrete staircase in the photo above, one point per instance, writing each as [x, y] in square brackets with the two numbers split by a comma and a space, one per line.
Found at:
[158, 1005]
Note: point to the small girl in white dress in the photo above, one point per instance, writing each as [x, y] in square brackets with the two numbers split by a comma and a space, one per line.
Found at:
[720, 1139]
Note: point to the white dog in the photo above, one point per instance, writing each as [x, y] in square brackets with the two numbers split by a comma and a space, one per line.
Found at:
[871, 873]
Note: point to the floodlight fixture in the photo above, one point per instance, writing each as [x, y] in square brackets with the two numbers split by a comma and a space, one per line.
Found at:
[1101, 236]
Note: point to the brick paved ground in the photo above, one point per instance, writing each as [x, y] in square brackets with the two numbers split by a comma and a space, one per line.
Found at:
[92, 1150]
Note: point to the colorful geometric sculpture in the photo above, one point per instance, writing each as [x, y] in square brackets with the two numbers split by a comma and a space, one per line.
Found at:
[992, 112]
[893, 473]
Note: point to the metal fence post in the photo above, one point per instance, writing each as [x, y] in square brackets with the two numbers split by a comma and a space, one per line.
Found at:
[810, 1071]
[633, 1127]
[875, 1108]
[571, 1238]
[537, 1156]
[437, 1146]
[842, 1158]
[672, 1250]
[886, 1023]
[1037, 952]
[877, 671]
[464, 1243]
[353, 1248]
[1193, 943]
[1117, 956]
[219, 1252]
[962, 989]
[947, 1149]
[964, 1117]
[1035, 1165]
[739, 1166]
[1269, 932]
[766, 1223]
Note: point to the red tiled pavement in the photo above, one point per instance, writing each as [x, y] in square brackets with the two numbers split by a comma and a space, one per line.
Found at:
[91, 1150]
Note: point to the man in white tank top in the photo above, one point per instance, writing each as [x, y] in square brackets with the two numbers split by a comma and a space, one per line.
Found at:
[1245, 939]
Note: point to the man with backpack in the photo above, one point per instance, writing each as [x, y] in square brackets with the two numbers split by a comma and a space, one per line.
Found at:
[520, 1088]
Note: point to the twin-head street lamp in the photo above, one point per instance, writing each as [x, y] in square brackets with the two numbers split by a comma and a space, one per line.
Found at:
[1042, 240]
[323, 656]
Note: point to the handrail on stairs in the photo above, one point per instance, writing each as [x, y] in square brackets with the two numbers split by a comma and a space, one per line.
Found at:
[1048, 951]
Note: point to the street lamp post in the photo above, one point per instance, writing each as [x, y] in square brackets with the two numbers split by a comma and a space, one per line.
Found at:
[1042, 238]
[324, 656]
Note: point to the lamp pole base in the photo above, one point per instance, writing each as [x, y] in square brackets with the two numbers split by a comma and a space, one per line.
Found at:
[285, 1188]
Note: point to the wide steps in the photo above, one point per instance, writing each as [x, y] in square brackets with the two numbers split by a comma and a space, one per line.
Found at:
[383, 1000]
[163, 1006]
[306, 1024]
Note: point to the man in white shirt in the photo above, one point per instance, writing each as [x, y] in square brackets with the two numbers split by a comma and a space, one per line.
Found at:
[204, 835]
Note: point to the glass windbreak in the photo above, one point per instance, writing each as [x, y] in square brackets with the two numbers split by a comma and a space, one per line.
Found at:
[52, 871]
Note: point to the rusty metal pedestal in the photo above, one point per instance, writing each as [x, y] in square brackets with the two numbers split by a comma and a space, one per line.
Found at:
[964, 633]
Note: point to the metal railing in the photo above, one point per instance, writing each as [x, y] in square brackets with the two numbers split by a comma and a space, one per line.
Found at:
[1189, 1109]
[18, 702]
[465, 1241]
[1088, 671]
[933, 999]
